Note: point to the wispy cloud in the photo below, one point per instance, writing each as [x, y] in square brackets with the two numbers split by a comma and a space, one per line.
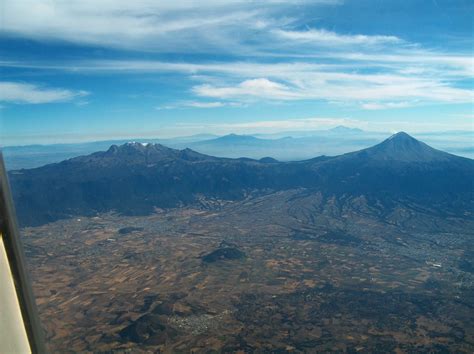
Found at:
[371, 106]
[265, 54]
[468, 116]
[324, 37]
[14, 92]
[393, 90]
[392, 85]
[206, 104]
[419, 61]
[197, 104]
[191, 26]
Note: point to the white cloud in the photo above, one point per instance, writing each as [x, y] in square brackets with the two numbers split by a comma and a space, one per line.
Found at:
[14, 92]
[469, 116]
[254, 88]
[406, 62]
[166, 107]
[337, 86]
[371, 106]
[420, 61]
[142, 24]
[381, 70]
[321, 36]
[206, 104]
[197, 104]
[378, 88]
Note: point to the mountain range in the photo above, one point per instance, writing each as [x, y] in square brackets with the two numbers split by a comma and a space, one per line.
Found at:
[284, 146]
[135, 178]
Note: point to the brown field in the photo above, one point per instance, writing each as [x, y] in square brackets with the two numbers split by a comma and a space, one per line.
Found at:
[309, 277]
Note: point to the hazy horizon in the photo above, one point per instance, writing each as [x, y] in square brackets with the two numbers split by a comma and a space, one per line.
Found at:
[271, 135]
[282, 146]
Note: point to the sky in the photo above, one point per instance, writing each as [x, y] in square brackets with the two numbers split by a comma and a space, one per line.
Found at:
[101, 69]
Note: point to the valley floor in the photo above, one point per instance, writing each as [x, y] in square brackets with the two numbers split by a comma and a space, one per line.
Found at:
[286, 272]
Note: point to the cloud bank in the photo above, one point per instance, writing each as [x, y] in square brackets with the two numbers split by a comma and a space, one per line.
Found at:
[14, 92]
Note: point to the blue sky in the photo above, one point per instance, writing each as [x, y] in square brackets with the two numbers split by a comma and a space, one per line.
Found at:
[92, 70]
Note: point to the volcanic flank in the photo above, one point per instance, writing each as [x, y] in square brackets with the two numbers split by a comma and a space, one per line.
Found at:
[134, 178]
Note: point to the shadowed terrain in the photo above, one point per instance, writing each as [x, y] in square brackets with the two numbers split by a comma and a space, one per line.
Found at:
[135, 178]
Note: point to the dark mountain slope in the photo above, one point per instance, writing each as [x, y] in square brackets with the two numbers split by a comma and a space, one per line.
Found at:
[401, 168]
[134, 178]
[402, 147]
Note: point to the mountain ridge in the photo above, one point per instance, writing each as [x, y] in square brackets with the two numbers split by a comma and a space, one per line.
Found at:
[138, 177]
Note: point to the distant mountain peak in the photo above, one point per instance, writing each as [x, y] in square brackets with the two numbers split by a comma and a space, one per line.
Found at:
[137, 146]
[268, 160]
[401, 136]
[344, 129]
[402, 139]
[151, 153]
[131, 145]
[138, 153]
[235, 138]
[403, 147]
